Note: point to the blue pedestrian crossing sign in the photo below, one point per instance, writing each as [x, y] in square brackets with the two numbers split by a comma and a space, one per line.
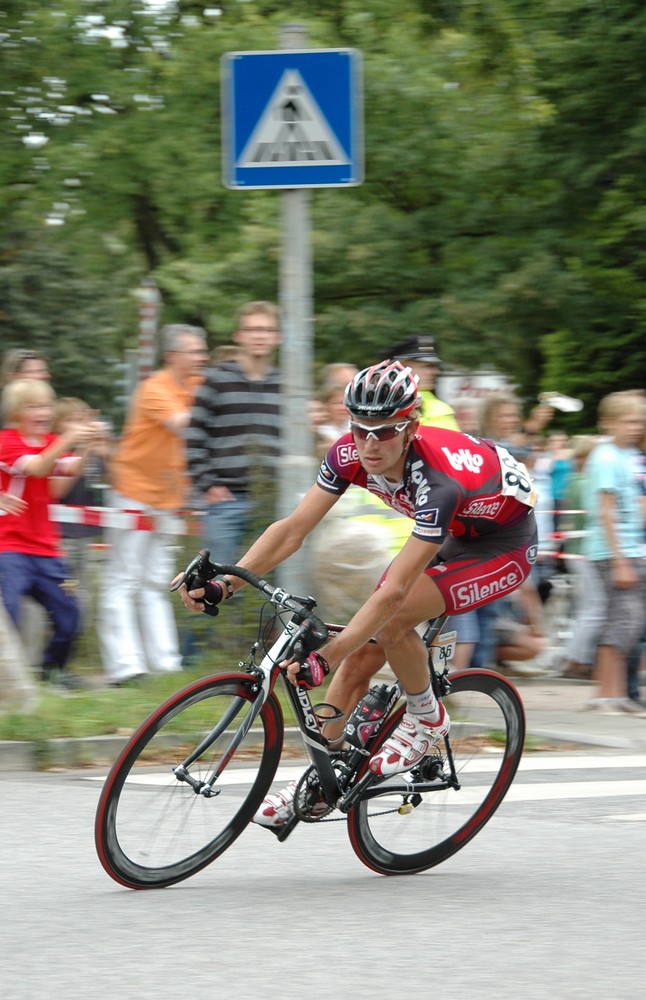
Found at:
[292, 119]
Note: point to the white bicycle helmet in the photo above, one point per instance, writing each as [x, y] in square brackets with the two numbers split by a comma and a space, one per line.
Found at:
[384, 390]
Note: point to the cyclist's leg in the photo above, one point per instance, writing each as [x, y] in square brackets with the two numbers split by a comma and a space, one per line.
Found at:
[424, 721]
[464, 574]
[351, 681]
[402, 645]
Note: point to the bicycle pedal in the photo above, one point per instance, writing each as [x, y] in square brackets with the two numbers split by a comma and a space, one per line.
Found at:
[283, 832]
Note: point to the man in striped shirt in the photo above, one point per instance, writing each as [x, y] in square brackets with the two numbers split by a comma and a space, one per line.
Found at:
[234, 430]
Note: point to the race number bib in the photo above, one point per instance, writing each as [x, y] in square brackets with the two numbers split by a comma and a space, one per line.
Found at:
[443, 649]
[516, 480]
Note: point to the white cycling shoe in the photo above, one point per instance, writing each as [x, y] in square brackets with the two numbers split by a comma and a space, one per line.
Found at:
[412, 740]
[278, 807]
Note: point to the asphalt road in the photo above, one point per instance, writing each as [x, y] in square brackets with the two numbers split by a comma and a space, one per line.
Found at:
[547, 901]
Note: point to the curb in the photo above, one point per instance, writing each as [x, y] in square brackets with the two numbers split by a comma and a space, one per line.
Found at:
[97, 751]
[77, 752]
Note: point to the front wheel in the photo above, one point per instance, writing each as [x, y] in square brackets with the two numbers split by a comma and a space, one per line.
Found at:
[405, 831]
[152, 829]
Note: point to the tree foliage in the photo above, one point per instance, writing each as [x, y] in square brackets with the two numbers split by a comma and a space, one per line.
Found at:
[502, 209]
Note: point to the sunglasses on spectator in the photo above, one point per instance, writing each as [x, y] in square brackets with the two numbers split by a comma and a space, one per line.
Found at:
[382, 432]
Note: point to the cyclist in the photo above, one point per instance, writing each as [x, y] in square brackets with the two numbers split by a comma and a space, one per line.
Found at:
[474, 539]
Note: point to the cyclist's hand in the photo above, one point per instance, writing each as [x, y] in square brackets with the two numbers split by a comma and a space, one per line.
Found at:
[188, 598]
[201, 598]
[310, 674]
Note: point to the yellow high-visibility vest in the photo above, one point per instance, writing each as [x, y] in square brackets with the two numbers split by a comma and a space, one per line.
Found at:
[435, 413]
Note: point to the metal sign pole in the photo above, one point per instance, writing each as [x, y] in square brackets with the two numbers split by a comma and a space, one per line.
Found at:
[298, 462]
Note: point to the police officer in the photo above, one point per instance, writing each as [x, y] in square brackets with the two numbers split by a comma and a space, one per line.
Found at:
[419, 354]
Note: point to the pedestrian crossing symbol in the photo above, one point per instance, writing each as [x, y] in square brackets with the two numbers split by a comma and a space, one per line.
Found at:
[293, 129]
[292, 119]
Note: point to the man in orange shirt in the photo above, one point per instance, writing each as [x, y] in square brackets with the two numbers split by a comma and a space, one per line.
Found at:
[137, 627]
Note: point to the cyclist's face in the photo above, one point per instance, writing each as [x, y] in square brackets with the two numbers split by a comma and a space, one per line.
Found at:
[383, 457]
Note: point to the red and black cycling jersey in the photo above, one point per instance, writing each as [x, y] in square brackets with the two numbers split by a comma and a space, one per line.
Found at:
[453, 484]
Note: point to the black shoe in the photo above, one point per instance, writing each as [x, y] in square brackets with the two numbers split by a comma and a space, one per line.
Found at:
[64, 680]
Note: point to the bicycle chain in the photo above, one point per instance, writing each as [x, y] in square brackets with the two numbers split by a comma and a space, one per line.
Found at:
[306, 817]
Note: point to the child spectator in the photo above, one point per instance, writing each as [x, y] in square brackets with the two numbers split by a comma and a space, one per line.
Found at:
[82, 491]
[615, 545]
[17, 690]
[30, 555]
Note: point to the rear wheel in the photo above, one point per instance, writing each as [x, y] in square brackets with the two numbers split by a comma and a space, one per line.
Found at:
[405, 831]
[152, 829]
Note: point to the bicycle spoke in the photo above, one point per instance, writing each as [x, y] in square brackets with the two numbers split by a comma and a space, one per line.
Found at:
[152, 828]
[414, 829]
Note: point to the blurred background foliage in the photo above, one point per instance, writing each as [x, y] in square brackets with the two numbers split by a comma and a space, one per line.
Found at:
[503, 211]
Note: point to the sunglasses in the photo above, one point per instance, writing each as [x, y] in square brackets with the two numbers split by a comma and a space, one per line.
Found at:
[382, 432]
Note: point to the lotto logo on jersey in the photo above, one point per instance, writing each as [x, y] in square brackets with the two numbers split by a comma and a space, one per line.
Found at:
[464, 459]
[487, 588]
[422, 489]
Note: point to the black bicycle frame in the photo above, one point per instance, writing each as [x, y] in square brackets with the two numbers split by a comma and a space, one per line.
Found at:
[264, 675]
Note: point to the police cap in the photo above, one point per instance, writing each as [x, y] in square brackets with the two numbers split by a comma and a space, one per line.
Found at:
[419, 348]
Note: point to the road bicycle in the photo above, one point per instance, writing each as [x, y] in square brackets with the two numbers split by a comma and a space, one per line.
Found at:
[192, 776]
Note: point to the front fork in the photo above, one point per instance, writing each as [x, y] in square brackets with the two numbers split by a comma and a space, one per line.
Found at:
[262, 683]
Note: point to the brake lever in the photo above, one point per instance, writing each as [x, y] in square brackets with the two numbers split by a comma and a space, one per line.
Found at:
[198, 572]
[186, 575]
[309, 637]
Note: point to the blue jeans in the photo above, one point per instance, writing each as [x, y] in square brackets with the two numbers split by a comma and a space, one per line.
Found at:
[43, 578]
[224, 527]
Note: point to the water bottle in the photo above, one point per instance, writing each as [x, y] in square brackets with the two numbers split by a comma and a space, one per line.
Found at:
[363, 721]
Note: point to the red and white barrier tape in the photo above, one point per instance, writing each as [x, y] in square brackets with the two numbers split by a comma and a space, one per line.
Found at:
[110, 517]
[137, 520]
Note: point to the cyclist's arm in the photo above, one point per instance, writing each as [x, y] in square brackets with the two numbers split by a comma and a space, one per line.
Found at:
[277, 543]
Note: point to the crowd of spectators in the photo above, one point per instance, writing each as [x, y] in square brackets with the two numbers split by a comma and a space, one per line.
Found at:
[197, 432]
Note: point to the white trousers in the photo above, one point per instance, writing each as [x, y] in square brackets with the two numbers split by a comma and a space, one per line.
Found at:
[137, 627]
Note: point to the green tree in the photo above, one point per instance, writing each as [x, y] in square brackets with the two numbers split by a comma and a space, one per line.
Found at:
[501, 211]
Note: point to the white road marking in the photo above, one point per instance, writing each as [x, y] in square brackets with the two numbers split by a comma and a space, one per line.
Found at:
[519, 792]
[625, 818]
[575, 762]
[575, 790]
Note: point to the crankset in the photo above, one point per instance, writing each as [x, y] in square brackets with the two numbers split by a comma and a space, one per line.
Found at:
[309, 804]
